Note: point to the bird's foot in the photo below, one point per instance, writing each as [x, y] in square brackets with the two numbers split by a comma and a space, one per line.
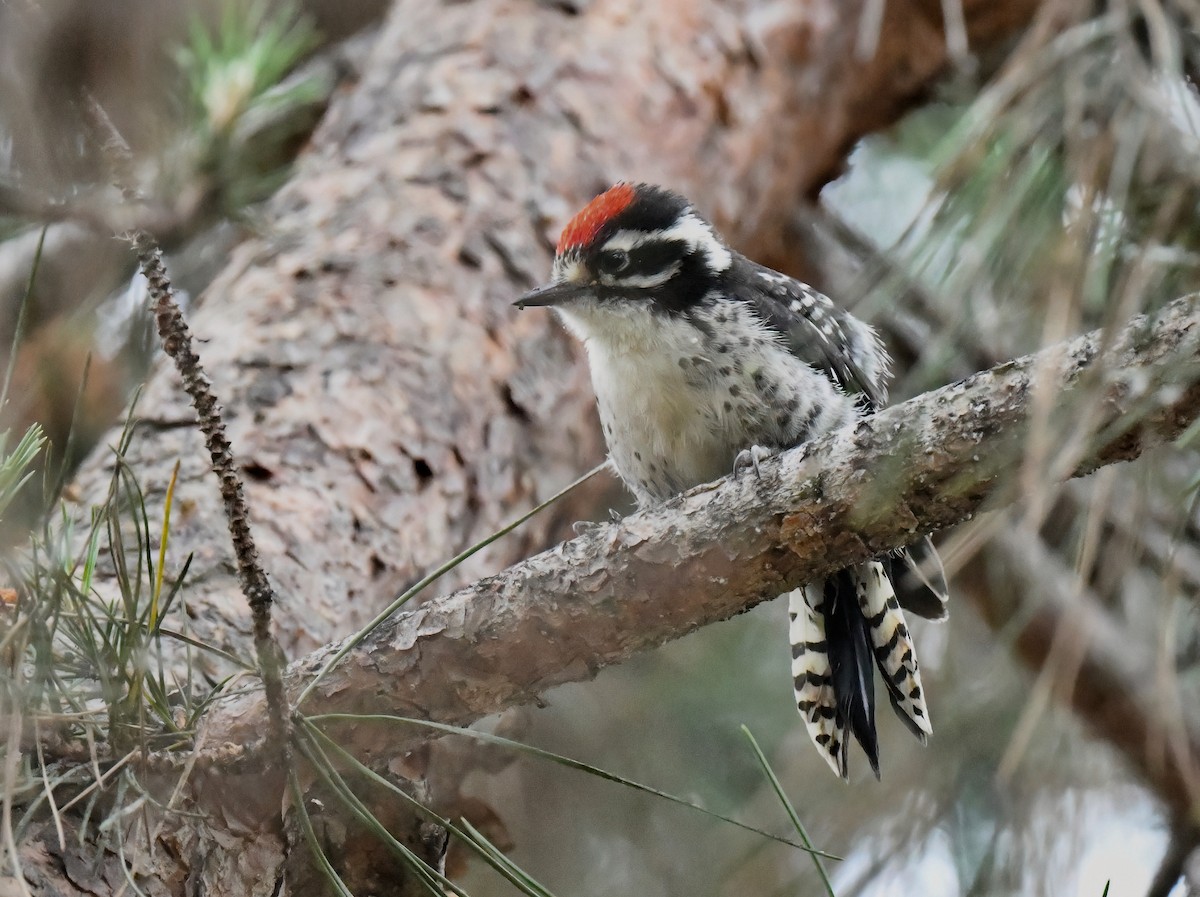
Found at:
[584, 527]
[750, 458]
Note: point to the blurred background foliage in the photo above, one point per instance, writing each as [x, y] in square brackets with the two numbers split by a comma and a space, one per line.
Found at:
[1024, 202]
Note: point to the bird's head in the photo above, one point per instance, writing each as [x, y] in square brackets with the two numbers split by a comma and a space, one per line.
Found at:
[634, 243]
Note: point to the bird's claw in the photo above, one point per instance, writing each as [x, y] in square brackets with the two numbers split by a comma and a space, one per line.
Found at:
[750, 458]
[584, 527]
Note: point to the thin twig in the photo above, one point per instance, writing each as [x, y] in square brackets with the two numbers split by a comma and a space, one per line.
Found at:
[1185, 839]
[19, 330]
[177, 343]
[12, 755]
[49, 789]
[98, 782]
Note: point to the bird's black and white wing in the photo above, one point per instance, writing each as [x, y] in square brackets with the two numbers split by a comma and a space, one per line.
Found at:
[819, 333]
[851, 354]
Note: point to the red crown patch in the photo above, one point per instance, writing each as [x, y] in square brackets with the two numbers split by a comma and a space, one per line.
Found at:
[582, 229]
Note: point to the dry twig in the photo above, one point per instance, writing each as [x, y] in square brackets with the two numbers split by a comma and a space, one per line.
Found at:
[177, 343]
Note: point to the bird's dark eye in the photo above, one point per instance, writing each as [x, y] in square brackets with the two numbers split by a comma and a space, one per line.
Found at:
[613, 261]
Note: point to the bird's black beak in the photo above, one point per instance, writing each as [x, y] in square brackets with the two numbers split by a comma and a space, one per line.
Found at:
[553, 294]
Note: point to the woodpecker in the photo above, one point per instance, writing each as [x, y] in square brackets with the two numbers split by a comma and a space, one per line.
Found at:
[702, 362]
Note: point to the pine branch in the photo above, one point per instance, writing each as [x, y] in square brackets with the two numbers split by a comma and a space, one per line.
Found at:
[921, 466]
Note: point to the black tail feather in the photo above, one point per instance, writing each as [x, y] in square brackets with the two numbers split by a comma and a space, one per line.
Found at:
[852, 661]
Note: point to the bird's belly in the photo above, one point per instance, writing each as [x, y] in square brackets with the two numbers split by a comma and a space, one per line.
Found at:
[677, 406]
[666, 432]
[659, 461]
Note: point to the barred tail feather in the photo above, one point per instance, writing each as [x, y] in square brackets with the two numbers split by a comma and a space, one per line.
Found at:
[813, 678]
[841, 631]
[893, 646]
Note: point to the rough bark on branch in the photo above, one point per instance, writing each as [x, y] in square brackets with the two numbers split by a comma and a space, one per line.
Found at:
[929, 463]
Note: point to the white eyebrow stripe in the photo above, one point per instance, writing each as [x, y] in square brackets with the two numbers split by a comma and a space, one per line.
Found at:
[626, 240]
[691, 230]
[694, 231]
[642, 280]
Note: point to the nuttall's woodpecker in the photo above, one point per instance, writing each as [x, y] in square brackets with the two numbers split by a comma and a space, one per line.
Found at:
[702, 361]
